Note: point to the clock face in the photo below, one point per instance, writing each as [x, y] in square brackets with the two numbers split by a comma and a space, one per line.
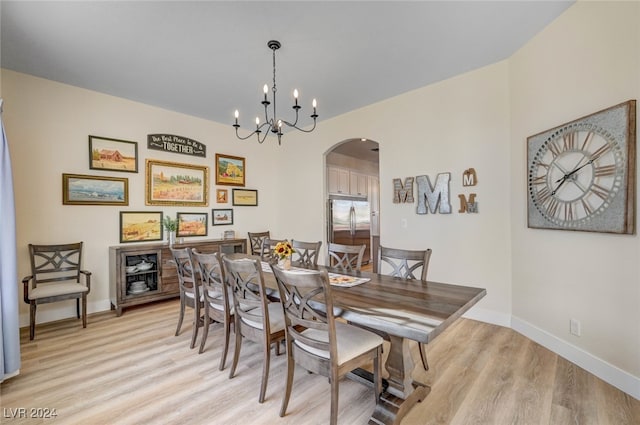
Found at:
[579, 175]
[576, 174]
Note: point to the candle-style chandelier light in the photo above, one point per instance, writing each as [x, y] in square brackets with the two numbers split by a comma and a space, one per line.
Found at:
[273, 123]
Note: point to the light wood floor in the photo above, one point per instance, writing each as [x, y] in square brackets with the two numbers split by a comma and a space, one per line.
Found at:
[133, 370]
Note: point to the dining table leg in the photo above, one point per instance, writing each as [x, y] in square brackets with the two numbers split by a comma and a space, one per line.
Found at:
[402, 392]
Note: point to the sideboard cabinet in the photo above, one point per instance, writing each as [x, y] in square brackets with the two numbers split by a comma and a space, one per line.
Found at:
[144, 273]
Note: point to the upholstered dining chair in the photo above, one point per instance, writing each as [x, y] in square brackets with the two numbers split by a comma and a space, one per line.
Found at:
[190, 291]
[215, 295]
[255, 241]
[319, 343]
[56, 275]
[346, 257]
[256, 318]
[305, 253]
[266, 250]
[406, 264]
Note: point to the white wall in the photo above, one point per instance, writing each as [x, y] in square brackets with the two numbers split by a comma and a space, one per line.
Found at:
[447, 127]
[583, 62]
[48, 124]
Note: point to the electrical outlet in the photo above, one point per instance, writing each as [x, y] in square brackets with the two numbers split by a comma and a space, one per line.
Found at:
[403, 223]
[574, 327]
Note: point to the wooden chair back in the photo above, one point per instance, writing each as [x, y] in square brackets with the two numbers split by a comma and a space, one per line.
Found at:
[246, 284]
[187, 273]
[255, 241]
[305, 253]
[266, 250]
[215, 295]
[406, 264]
[346, 257]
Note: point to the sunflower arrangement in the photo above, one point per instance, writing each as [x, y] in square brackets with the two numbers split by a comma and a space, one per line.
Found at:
[283, 250]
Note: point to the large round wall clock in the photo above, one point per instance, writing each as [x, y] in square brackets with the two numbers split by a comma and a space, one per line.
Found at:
[581, 175]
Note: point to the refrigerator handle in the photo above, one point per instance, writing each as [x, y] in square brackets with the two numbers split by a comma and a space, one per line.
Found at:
[352, 221]
[330, 220]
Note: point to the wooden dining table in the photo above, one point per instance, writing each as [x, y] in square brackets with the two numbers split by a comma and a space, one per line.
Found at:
[403, 311]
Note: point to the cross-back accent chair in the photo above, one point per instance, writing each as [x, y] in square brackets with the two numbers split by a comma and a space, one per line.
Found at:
[406, 264]
[56, 275]
[256, 318]
[316, 341]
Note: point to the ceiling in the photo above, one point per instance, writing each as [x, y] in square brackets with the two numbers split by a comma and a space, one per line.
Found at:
[208, 58]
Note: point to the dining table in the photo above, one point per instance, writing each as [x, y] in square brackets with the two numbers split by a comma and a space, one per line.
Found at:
[403, 312]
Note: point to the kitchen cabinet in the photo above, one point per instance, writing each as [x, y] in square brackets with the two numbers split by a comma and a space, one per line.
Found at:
[346, 182]
[338, 180]
[144, 273]
[358, 184]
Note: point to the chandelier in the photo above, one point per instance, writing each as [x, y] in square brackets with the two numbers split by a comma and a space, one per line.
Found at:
[274, 124]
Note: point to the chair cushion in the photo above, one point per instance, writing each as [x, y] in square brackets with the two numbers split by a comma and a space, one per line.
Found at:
[54, 289]
[352, 341]
[276, 318]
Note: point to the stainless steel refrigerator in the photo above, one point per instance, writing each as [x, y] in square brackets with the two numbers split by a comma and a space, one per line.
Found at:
[350, 223]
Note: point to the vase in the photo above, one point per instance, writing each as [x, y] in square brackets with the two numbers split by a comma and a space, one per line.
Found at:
[285, 263]
[171, 237]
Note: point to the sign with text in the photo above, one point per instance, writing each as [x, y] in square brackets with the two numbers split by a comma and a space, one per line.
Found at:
[176, 144]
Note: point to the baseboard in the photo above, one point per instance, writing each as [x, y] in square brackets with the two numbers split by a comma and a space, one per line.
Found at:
[607, 372]
[488, 316]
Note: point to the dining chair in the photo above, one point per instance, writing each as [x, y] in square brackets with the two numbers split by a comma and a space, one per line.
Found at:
[190, 291]
[255, 241]
[318, 342]
[266, 250]
[256, 318]
[346, 257]
[305, 253]
[215, 296]
[406, 264]
[56, 275]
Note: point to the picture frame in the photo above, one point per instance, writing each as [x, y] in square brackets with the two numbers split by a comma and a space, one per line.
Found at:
[113, 154]
[79, 189]
[192, 224]
[173, 183]
[230, 170]
[140, 226]
[222, 196]
[222, 217]
[245, 197]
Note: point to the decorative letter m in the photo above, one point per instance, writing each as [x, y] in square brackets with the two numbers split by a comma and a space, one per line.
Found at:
[403, 194]
[432, 196]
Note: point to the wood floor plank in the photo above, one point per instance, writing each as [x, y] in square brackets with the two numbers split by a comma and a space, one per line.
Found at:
[133, 370]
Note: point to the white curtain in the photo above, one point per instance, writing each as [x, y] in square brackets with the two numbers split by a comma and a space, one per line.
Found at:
[9, 325]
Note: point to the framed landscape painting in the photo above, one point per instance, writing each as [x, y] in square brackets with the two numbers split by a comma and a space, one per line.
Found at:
[247, 197]
[230, 170]
[192, 224]
[140, 226]
[78, 189]
[171, 183]
[222, 217]
[113, 154]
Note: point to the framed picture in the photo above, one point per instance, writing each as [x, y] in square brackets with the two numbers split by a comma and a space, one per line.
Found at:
[222, 217]
[140, 226]
[243, 197]
[221, 196]
[230, 170]
[113, 154]
[171, 183]
[79, 189]
[192, 224]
